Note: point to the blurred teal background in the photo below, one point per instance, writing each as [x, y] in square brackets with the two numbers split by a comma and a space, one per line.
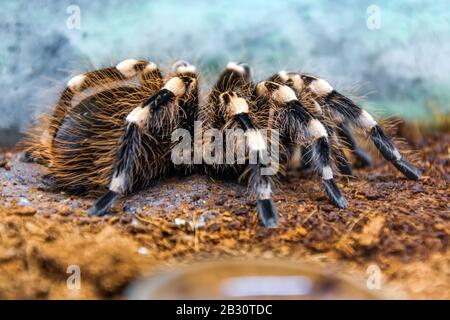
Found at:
[402, 68]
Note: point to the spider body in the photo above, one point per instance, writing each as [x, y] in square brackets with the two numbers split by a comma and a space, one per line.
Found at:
[111, 132]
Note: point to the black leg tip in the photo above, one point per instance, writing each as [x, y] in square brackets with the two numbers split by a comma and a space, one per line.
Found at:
[363, 159]
[103, 204]
[341, 203]
[405, 167]
[267, 213]
[334, 194]
[94, 211]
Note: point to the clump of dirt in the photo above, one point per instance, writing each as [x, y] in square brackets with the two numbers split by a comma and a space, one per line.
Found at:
[402, 226]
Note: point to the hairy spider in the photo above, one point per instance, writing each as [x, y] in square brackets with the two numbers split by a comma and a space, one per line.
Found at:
[111, 132]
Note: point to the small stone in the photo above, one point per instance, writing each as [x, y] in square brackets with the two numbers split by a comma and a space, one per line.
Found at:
[220, 201]
[240, 211]
[143, 251]
[24, 202]
[180, 222]
[199, 224]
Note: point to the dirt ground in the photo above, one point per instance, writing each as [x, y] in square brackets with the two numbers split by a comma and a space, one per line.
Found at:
[401, 226]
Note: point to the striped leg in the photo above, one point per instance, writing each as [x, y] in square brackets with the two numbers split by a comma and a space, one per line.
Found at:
[345, 107]
[260, 184]
[343, 164]
[125, 167]
[130, 150]
[299, 124]
[295, 82]
[322, 159]
[376, 133]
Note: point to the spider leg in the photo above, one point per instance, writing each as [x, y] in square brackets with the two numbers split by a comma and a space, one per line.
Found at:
[237, 111]
[125, 164]
[228, 106]
[293, 80]
[322, 160]
[376, 133]
[261, 185]
[130, 150]
[345, 107]
[267, 211]
[300, 124]
[343, 164]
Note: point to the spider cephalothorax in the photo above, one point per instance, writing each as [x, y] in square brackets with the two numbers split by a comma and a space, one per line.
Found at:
[111, 132]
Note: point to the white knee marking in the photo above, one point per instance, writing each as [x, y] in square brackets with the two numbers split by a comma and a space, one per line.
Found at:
[234, 66]
[76, 82]
[283, 75]
[397, 155]
[186, 69]
[176, 86]
[297, 82]
[126, 67]
[150, 67]
[138, 116]
[316, 129]
[320, 87]
[118, 183]
[261, 89]
[182, 67]
[255, 140]
[284, 94]
[327, 173]
[366, 120]
[237, 105]
[264, 191]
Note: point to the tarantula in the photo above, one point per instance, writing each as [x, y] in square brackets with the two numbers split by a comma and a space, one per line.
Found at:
[110, 133]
